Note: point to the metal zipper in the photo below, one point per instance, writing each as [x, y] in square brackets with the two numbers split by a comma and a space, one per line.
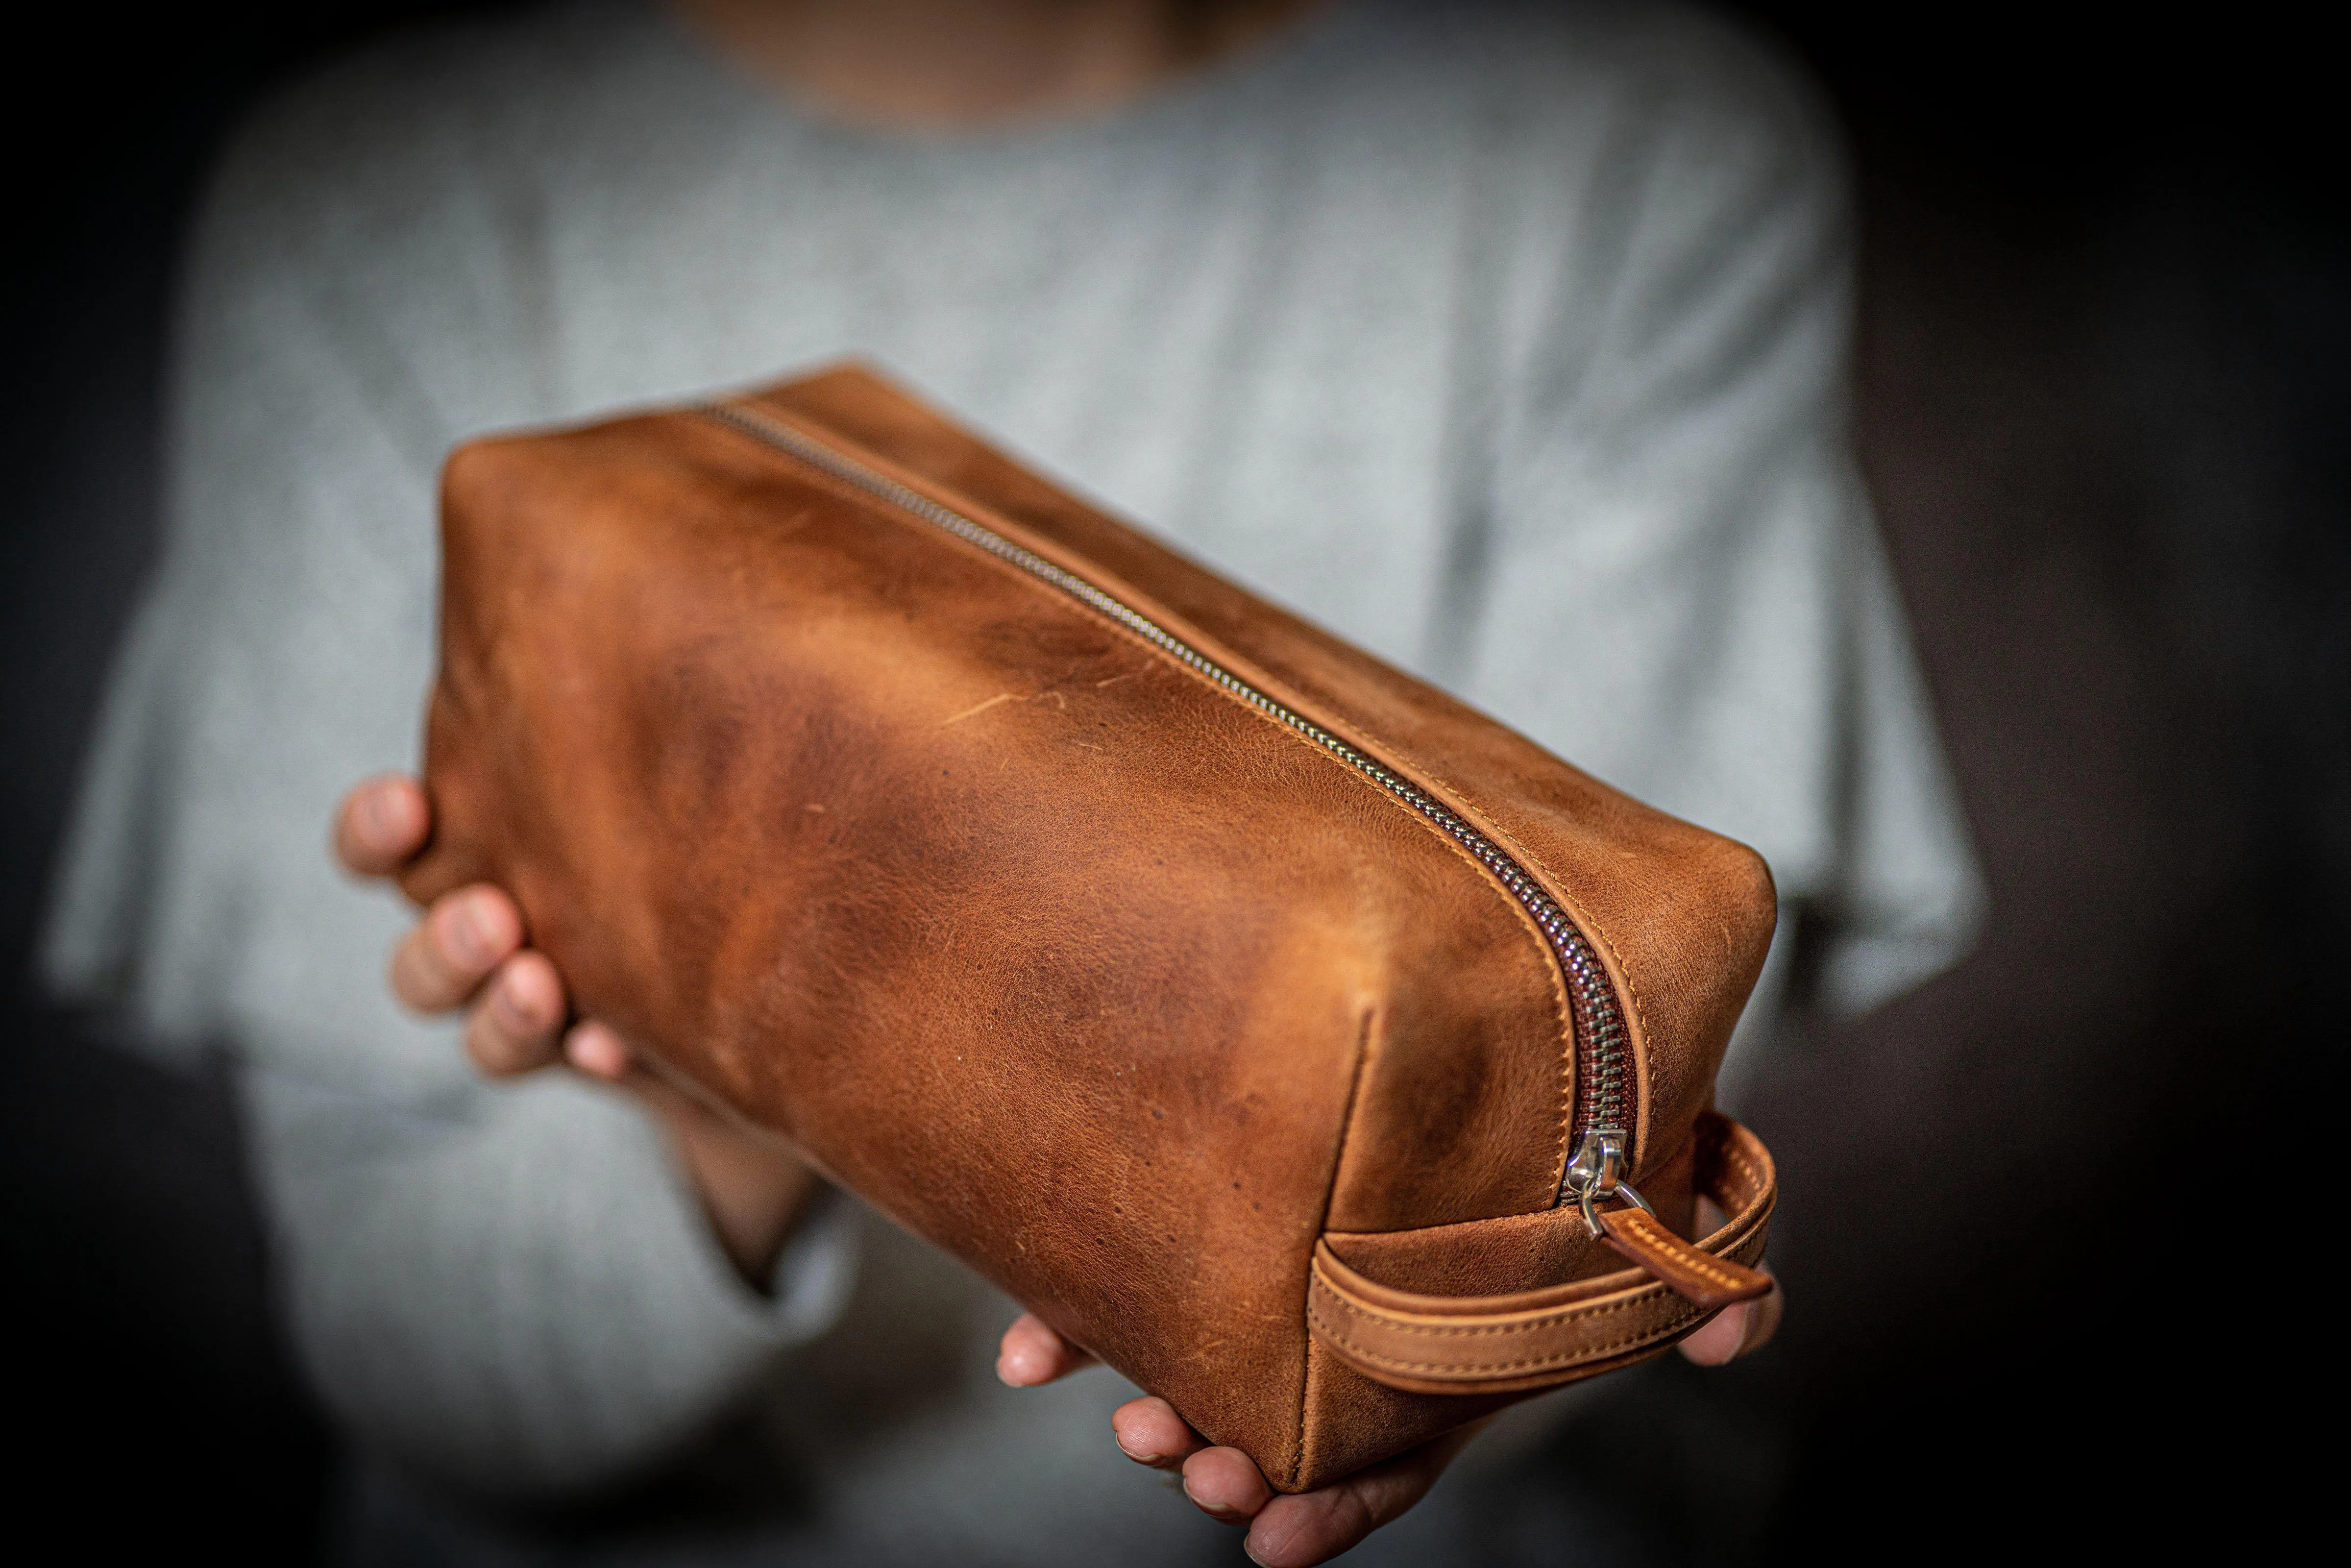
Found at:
[1595, 1170]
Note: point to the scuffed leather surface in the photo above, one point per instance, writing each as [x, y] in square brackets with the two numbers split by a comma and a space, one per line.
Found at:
[1057, 954]
[1681, 916]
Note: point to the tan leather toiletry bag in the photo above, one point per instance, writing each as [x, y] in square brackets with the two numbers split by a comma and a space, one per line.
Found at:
[1329, 1060]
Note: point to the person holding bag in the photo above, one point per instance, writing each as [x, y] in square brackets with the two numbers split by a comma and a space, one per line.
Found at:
[1510, 347]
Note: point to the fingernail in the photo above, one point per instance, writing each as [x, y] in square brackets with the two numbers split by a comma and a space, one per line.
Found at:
[575, 1051]
[1141, 1456]
[375, 820]
[596, 1050]
[1218, 1510]
[518, 1013]
[471, 933]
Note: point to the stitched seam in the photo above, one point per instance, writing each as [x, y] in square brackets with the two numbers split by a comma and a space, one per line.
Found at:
[1747, 1238]
[1554, 969]
[1564, 1315]
[1746, 1231]
[1745, 1170]
[1330, 1195]
[1548, 962]
[1552, 960]
[1574, 906]
[1319, 1288]
[1557, 1358]
[1698, 1263]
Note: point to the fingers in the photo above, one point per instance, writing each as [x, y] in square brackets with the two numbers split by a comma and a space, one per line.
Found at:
[1225, 1484]
[595, 1049]
[1033, 1353]
[515, 1025]
[461, 938]
[597, 1052]
[1741, 1327]
[1721, 1337]
[468, 949]
[382, 823]
[1150, 1433]
[1315, 1526]
[1284, 1532]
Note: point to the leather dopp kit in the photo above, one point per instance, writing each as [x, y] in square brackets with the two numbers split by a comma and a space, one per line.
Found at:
[1329, 1060]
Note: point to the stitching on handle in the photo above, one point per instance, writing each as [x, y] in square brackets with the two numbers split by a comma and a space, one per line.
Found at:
[1556, 1359]
[1746, 1168]
[1323, 1293]
[1700, 1263]
[1560, 1319]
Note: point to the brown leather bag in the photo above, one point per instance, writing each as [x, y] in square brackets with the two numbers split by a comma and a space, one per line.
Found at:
[1272, 1025]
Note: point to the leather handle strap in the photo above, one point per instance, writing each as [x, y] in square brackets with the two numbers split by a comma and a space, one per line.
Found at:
[1494, 1345]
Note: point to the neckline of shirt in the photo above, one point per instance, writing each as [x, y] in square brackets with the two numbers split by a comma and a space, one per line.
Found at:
[1193, 98]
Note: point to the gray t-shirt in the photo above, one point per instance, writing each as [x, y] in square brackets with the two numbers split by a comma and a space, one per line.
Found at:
[1509, 344]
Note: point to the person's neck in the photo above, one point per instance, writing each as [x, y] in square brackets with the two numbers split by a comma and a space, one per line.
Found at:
[946, 64]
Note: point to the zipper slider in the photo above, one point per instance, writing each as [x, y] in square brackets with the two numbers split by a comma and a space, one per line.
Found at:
[1595, 1173]
[1637, 1232]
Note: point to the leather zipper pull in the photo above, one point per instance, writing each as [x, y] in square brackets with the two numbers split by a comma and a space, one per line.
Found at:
[1707, 1281]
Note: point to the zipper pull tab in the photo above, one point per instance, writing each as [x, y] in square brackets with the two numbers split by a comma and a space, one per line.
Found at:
[1635, 1231]
[1707, 1281]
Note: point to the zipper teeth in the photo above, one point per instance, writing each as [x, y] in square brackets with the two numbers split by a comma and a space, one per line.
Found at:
[1599, 1028]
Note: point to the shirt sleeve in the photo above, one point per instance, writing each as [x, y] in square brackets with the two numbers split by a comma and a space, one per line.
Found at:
[524, 1298]
[1684, 589]
[508, 1287]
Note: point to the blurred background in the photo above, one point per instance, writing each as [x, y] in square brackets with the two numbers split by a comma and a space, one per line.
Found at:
[2032, 1209]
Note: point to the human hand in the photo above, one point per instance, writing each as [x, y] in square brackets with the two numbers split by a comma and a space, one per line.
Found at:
[470, 951]
[1293, 1530]
[1741, 1327]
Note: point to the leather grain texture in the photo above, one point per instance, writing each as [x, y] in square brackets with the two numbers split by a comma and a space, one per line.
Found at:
[1043, 943]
